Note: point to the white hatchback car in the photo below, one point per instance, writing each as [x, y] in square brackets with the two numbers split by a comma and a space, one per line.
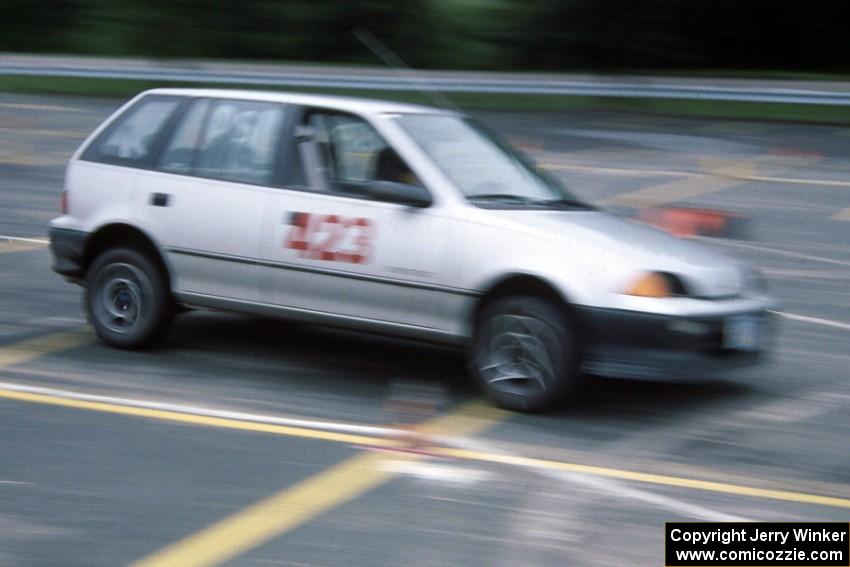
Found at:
[391, 218]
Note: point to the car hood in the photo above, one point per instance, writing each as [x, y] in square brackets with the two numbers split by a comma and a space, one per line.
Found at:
[628, 247]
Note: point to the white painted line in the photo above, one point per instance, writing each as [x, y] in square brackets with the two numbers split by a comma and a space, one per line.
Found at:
[613, 487]
[798, 181]
[317, 425]
[683, 173]
[56, 321]
[338, 427]
[436, 472]
[829, 274]
[621, 171]
[814, 320]
[674, 505]
[797, 409]
[22, 239]
[777, 251]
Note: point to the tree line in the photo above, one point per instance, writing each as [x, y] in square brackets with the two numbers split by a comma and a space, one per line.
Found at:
[576, 35]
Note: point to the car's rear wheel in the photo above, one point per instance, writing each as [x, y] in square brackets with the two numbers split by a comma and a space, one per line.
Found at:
[127, 298]
[525, 354]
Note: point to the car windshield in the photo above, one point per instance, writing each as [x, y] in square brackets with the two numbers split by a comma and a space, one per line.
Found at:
[486, 169]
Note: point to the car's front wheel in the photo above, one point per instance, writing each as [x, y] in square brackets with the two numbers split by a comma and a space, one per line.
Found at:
[525, 353]
[127, 298]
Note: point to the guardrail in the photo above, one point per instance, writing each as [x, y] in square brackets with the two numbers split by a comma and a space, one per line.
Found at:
[404, 81]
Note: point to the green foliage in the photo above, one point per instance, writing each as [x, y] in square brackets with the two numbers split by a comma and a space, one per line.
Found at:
[705, 108]
[485, 34]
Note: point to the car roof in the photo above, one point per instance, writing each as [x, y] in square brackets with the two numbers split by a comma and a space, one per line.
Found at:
[343, 103]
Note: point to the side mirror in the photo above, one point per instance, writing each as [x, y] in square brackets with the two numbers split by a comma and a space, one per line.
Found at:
[401, 193]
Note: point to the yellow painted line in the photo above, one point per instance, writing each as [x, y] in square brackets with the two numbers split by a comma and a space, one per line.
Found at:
[473, 418]
[30, 349]
[7, 246]
[302, 502]
[40, 107]
[37, 133]
[618, 170]
[615, 124]
[717, 175]
[746, 128]
[593, 157]
[192, 419]
[649, 478]
[723, 177]
[345, 481]
[842, 215]
[527, 143]
[28, 158]
[470, 420]
[275, 515]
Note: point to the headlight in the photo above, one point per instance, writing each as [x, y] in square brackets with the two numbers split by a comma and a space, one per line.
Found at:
[656, 284]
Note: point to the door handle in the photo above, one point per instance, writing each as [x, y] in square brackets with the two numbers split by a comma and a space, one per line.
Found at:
[159, 199]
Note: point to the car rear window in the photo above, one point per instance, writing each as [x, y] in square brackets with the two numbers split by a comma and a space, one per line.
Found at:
[132, 138]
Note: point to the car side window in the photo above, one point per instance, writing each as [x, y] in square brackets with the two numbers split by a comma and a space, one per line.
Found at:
[240, 141]
[131, 138]
[343, 153]
[179, 154]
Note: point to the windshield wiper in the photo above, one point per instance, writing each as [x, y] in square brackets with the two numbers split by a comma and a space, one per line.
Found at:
[507, 197]
[566, 204]
[561, 203]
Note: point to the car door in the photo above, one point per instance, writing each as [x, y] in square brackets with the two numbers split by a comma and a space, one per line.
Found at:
[205, 200]
[331, 250]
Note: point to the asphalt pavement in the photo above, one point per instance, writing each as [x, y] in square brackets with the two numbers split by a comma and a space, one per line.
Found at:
[242, 441]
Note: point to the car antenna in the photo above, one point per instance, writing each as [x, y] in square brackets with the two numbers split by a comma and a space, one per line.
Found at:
[402, 69]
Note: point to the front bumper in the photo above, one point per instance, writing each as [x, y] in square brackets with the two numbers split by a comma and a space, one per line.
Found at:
[633, 344]
[68, 248]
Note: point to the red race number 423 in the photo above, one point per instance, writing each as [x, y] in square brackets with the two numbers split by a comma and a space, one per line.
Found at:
[332, 238]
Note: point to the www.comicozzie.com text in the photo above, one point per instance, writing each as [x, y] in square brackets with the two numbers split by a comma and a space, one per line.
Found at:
[726, 536]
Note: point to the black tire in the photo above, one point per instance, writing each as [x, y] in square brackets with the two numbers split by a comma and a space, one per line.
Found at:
[127, 298]
[525, 354]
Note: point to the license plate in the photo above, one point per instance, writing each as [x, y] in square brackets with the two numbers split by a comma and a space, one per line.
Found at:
[742, 332]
